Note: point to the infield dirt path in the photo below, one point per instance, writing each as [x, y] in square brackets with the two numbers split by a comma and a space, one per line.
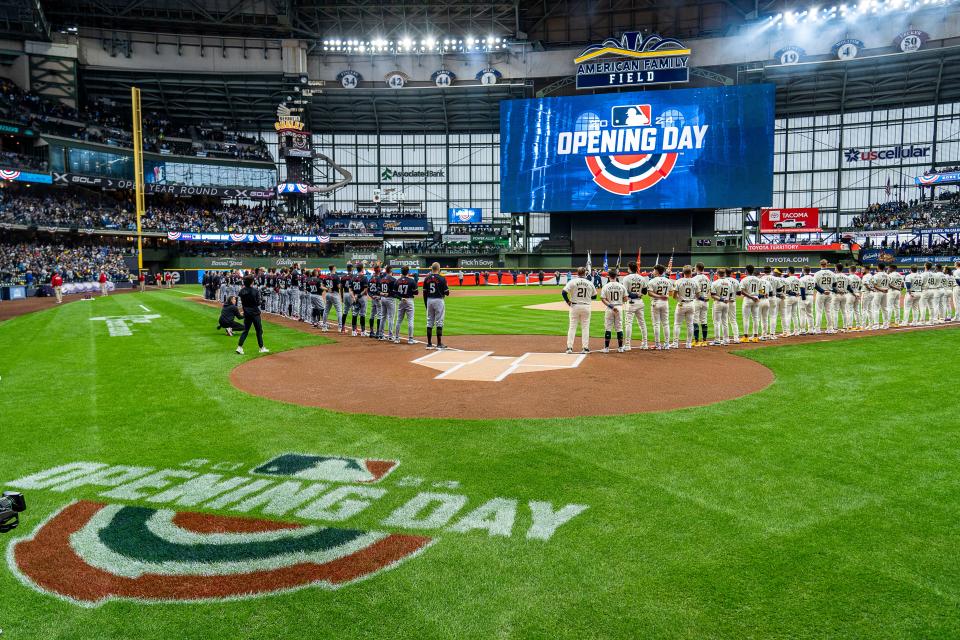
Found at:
[501, 377]
[494, 377]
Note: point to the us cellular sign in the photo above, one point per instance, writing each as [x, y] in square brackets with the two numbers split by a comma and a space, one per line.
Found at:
[688, 148]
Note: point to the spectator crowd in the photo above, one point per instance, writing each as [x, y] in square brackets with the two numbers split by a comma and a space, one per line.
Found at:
[34, 263]
[105, 123]
[899, 215]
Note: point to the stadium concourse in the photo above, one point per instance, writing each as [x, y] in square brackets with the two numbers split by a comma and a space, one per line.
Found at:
[468, 320]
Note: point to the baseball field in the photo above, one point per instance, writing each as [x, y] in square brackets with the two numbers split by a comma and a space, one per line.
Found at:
[338, 486]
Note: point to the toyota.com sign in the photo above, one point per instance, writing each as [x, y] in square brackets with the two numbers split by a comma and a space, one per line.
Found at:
[790, 220]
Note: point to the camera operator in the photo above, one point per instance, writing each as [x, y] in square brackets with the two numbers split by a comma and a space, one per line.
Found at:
[250, 300]
[11, 504]
[228, 315]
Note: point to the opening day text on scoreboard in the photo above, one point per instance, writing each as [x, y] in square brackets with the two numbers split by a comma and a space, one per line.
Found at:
[707, 148]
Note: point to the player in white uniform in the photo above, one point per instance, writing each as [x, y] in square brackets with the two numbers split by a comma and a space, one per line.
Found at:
[930, 293]
[763, 307]
[807, 304]
[881, 287]
[955, 286]
[732, 306]
[750, 290]
[894, 289]
[913, 305]
[854, 297]
[659, 289]
[946, 294]
[636, 286]
[613, 295]
[701, 305]
[720, 294]
[823, 285]
[866, 304]
[839, 313]
[769, 318]
[578, 293]
[792, 295]
[684, 315]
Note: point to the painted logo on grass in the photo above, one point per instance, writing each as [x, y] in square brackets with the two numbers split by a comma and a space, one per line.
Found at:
[331, 468]
[144, 537]
[90, 552]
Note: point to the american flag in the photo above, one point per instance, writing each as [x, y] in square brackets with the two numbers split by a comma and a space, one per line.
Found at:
[670, 262]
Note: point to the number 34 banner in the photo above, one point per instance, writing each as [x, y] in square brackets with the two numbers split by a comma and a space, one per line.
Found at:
[802, 220]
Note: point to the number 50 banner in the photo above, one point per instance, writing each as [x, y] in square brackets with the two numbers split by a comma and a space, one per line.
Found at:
[789, 220]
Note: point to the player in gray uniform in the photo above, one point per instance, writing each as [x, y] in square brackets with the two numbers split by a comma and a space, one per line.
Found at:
[388, 303]
[293, 290]
[376, 305]
[435, 289]
[332, 299]
[315, 285]
[406, 291]
[345, 280]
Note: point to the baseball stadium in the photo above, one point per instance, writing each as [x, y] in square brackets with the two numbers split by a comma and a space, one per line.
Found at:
[479, 319]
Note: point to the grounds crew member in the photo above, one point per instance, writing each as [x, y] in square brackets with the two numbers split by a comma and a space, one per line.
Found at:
[435, 289]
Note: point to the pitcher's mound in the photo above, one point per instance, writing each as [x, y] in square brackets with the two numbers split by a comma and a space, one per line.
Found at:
[493, 377]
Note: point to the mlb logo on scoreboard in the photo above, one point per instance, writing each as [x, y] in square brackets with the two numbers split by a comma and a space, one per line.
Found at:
[633, 115]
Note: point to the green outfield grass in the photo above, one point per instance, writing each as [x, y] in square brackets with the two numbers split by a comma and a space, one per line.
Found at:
[823, 506]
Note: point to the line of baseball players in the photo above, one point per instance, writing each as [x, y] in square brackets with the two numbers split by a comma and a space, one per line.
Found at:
[830, 300]
[312, 296]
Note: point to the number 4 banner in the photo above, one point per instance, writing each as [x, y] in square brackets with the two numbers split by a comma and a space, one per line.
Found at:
[790, 220]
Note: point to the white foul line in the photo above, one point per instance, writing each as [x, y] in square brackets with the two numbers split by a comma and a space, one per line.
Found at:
[145, 309]
[483, 354]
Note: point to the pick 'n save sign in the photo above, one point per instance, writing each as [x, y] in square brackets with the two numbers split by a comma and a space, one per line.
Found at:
[798, 220]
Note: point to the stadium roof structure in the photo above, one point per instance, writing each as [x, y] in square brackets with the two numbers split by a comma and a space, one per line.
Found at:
[254, 98]
[553, 23]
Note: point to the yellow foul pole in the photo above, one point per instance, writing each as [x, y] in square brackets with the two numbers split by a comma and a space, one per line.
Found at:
[138, 168]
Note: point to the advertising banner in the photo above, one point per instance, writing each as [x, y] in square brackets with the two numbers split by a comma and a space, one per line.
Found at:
[404, 225]
[177, 190]
[16, 175]
[798, 220]
[760, 248]
[477, 263]
[463, 215]
[878, 256]
[182, 236]
[951, 177]
[704, 148]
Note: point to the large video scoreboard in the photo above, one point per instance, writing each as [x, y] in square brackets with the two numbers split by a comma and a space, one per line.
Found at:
[683, 149]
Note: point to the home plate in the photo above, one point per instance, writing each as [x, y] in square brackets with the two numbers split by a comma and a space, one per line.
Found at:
[483, 366]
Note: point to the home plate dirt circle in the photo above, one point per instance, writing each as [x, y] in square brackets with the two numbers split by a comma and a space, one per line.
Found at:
[495, 377]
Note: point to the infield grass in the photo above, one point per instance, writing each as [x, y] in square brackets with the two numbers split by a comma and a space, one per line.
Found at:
[825, 506]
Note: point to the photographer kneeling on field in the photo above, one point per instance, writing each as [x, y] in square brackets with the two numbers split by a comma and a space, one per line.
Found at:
[228, 316]
[250, 300]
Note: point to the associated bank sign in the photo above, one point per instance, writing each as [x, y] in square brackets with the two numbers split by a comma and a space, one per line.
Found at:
[633, 61]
